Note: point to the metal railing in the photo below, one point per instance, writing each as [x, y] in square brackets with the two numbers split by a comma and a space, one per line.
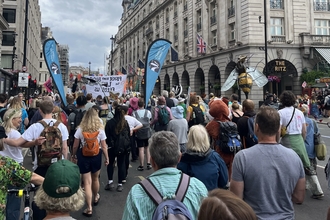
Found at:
[231, 11]
[321, 6]
[276, 4]
[278, 38]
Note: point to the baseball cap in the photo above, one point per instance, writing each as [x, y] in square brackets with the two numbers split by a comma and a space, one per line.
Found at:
[61, 174]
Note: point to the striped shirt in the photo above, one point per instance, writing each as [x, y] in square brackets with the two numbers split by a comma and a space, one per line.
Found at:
[166, 180]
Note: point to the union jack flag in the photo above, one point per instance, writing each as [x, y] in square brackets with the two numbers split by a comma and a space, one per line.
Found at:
[201, 44]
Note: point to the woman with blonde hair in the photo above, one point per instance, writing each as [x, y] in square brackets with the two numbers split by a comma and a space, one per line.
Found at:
[90, 166]
[16, 103]
[225, 205]
[12, 120]
[202, 162]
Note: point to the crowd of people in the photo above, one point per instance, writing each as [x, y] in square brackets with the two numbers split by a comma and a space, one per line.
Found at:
[180, 138]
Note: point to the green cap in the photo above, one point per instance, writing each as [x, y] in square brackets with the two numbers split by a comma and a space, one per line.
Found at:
[62, 174]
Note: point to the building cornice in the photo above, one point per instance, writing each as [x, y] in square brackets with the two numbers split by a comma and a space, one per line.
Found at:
[141, 23]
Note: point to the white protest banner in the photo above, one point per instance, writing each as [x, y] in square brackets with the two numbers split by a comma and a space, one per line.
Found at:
[113, 84]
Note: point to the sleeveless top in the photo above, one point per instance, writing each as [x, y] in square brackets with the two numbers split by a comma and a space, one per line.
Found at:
[235, 117]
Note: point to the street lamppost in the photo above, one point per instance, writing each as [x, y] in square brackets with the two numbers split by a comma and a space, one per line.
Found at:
[89, 68]
[111, 54]
[265, 30]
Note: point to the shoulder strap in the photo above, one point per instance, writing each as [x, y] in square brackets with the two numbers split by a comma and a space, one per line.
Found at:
[57, 123]
[151, 190]
[43, 123]
[145, 113]
[137, 115]
[182, 188]
[294, 109]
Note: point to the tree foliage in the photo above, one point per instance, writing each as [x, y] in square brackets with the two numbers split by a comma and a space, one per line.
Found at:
[309, 77]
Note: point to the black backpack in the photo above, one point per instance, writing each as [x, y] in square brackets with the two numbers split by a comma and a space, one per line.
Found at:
[229, 141]
[250, 139]
[122, 144]
[69, 109]
[197, 116]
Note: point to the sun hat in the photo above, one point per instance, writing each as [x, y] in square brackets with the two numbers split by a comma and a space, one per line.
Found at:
[134, 102]
[181, 99]
[61, 174]
[177, 112]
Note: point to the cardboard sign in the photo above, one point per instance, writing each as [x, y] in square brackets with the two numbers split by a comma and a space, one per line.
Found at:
[106, 84]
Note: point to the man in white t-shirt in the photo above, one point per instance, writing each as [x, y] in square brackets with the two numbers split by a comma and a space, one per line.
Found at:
[34, 131]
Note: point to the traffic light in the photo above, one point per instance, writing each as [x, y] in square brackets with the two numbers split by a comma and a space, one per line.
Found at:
[30, 81]
[35, 83]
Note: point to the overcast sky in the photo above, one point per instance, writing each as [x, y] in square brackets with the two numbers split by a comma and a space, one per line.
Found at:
[85, 26]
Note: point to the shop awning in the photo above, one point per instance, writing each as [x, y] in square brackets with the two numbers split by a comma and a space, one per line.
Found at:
[325, 53]
[319, 85]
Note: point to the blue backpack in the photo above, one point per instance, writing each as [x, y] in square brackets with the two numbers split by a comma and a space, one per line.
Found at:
[170, 209]
[229, 141]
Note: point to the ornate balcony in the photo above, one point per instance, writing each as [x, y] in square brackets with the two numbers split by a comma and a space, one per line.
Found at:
[307, 39]
[321, 6]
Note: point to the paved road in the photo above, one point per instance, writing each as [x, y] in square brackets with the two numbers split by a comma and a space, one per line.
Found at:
[112, 203]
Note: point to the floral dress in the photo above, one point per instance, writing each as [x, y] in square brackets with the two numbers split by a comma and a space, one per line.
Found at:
[11, 173]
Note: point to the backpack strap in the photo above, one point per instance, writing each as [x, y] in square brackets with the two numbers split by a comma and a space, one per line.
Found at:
[183, 187]
[157, 198]
[43, 123]
[151, 190]
[145, 113]
[57, 123]
[137, 116]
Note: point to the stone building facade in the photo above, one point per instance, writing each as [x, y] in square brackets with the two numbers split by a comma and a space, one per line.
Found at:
[298, 40]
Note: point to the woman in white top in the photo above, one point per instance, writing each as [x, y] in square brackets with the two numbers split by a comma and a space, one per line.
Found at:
[12, 120]
[90, 166]
[294, 121]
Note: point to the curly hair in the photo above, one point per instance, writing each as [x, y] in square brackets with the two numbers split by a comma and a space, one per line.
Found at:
[287, 98]
[68, 204]
[57, 113]
[91, 121]
[8, 118]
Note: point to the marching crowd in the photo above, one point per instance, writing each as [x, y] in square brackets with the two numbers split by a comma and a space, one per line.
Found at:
[216, 158]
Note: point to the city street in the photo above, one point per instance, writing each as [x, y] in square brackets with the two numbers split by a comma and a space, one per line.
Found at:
[112, 202]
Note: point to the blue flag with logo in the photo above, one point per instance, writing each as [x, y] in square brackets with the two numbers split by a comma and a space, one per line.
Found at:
[156, 55]
[51, 58]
